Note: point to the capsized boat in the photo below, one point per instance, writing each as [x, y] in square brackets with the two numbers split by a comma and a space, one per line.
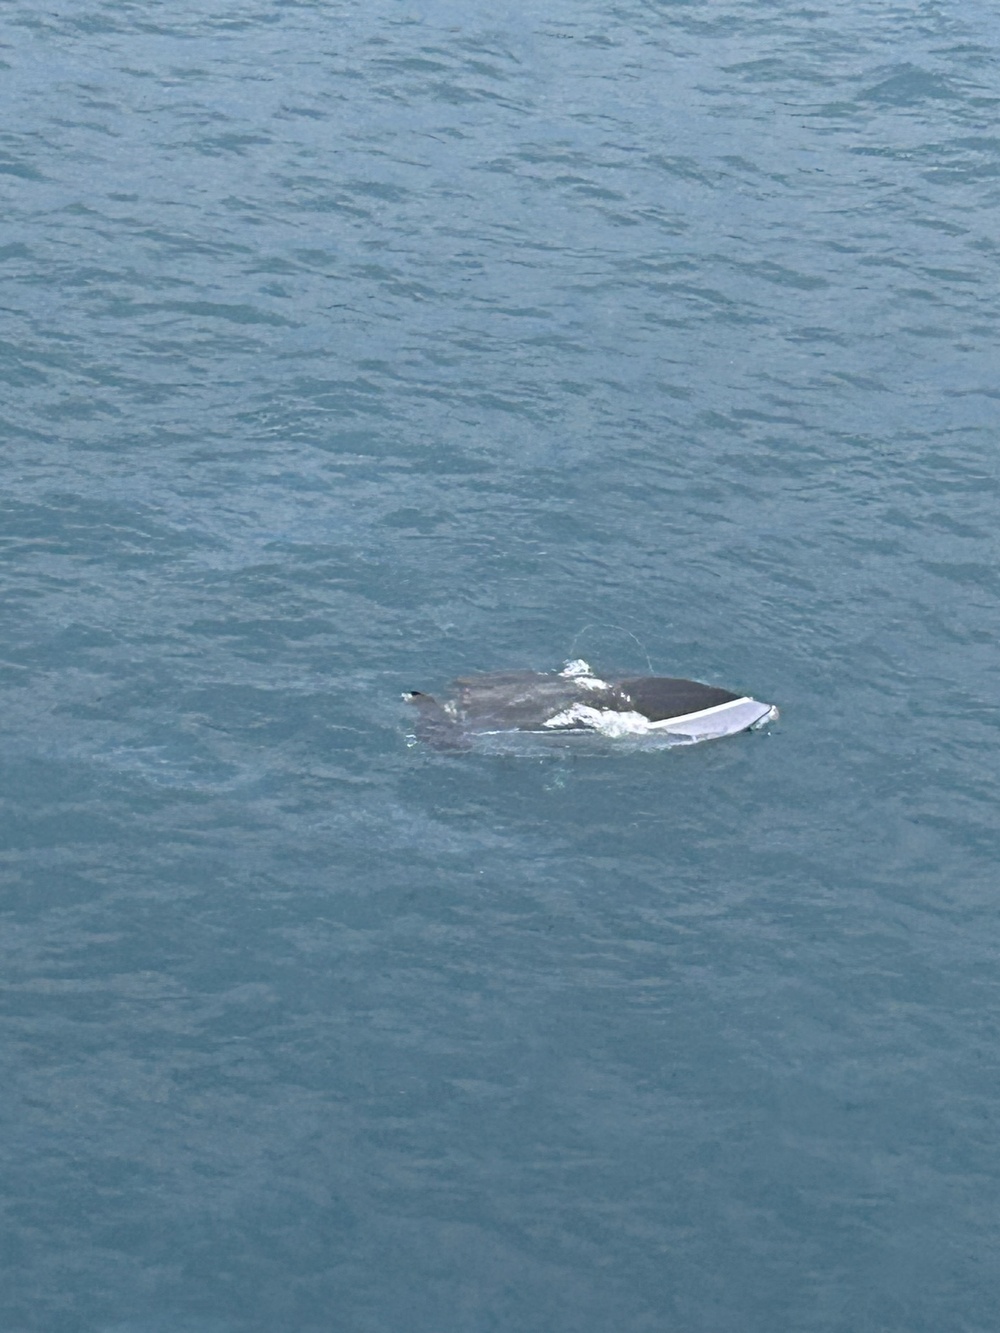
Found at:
[503, 709]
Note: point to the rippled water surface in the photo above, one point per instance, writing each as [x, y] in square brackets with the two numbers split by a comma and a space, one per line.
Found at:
[346, 348]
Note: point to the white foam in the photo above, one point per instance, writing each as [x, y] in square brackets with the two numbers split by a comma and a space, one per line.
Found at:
[607, 721]
[580, 673]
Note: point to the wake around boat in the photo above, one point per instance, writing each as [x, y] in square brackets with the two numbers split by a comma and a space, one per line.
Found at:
[503, 709]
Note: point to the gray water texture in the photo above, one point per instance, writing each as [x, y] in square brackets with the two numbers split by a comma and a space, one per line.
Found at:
[350, 347]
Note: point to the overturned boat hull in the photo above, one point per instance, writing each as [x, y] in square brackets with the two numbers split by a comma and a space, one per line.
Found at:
[528, 711]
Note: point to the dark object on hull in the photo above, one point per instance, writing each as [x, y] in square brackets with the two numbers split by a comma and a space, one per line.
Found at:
[575, 702]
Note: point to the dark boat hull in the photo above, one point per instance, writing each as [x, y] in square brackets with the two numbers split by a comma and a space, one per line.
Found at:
[528, 711]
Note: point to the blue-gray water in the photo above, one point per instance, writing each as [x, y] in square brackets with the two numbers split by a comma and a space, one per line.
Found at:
[346, 348]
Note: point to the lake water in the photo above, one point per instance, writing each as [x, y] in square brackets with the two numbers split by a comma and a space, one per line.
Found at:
[346, 348]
